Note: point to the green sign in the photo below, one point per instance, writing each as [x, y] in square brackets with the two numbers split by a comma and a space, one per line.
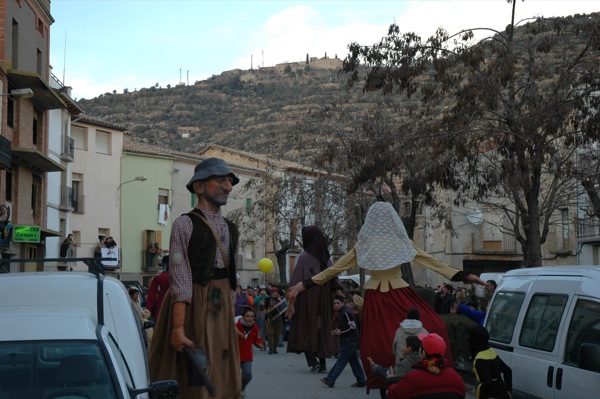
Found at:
[26, 234]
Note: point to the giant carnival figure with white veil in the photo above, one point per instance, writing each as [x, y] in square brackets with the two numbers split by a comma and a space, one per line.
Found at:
[382, 247]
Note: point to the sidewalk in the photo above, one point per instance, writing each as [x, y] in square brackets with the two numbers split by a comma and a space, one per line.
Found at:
[286, 376]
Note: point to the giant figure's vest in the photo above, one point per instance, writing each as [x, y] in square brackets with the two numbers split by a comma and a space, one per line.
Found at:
[203, 248]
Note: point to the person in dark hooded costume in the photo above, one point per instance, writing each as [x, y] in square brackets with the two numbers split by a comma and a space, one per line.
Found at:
[310, 331]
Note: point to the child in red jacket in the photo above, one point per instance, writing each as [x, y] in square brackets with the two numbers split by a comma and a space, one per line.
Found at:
[247, 336]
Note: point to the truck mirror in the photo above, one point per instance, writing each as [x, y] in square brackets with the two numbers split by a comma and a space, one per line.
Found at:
[589, 357]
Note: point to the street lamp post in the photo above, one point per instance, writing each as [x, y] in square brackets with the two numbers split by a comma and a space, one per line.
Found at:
[138, 178]
[24, 93]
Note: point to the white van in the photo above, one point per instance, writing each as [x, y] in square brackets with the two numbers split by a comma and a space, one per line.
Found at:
[72, 335]
[545, 324]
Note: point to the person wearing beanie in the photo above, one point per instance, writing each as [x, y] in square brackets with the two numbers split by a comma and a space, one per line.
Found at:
[494, 376]
[431, 377]
[410, 326]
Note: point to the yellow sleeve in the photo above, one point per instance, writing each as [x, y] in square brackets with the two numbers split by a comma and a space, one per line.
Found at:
[424, 259]
[346, 262]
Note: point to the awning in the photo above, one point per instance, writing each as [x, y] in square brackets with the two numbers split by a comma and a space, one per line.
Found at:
[44, 97]
[38, 160]
[46, 232]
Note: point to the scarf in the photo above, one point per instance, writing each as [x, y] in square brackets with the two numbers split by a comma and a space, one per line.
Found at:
[433, 365]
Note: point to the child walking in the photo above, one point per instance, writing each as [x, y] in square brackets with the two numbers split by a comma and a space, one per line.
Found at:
[247, 336]
[347, 330]
[494, 376]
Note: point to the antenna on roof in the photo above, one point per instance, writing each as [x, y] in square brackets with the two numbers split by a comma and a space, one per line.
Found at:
[65, 58]
[263, 58]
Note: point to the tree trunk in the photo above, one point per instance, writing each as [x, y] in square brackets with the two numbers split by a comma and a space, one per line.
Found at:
[532, 245]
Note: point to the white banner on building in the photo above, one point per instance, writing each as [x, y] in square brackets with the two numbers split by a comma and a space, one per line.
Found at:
[110, 253]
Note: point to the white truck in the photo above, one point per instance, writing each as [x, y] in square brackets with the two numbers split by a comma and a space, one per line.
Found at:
[544, 322]
[72, 335]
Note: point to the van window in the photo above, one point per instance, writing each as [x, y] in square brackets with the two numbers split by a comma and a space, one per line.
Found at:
[52, 369]
[541, 322]
[584, 328]
[502, 317]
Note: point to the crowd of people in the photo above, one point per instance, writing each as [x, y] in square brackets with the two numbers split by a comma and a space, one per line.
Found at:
[403, 352]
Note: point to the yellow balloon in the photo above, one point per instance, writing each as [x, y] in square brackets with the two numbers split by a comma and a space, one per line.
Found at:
[265, 265]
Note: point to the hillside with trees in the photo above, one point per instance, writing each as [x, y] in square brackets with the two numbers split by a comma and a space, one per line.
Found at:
[260, 110]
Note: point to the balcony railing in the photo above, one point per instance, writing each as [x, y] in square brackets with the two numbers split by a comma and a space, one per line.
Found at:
[68, 150]
[78, 203]
[494, 243]
[66, 198]
[588, 228]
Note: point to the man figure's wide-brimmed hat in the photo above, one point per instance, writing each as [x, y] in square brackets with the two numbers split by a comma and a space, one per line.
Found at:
[211, 167]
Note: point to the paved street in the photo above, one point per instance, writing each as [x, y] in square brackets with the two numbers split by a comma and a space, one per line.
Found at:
[286, 376]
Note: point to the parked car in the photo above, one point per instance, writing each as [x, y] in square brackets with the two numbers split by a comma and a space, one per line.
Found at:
[544, 322]
[72, 335]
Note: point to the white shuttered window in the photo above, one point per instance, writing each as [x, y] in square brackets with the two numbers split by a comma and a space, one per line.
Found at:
[102, 142]
[79, 135]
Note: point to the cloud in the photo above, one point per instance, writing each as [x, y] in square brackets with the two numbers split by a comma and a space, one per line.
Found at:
[291, 34]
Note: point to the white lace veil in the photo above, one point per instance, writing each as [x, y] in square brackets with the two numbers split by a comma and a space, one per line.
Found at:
[382, 241]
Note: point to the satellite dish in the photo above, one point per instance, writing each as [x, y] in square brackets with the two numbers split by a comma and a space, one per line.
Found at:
[474, 215]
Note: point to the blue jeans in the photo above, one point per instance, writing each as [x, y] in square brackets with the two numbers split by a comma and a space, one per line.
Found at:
[246, 373]
[348, 354]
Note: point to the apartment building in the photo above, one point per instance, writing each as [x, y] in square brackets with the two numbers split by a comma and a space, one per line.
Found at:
[61, 148]
[26, 99]
[95, 185]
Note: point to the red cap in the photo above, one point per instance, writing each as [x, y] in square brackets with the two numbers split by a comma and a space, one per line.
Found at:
[433, 344]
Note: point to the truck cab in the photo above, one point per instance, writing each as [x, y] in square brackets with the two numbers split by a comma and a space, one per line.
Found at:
[544, 322]
[72, 335]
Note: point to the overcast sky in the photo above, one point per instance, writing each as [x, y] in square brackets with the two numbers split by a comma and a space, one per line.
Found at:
[131, 44]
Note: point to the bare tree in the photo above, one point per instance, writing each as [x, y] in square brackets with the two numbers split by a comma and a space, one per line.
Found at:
[288, 201]
[509, 108]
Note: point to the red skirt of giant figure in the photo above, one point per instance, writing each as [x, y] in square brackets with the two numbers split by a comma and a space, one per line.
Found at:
[381, 316]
